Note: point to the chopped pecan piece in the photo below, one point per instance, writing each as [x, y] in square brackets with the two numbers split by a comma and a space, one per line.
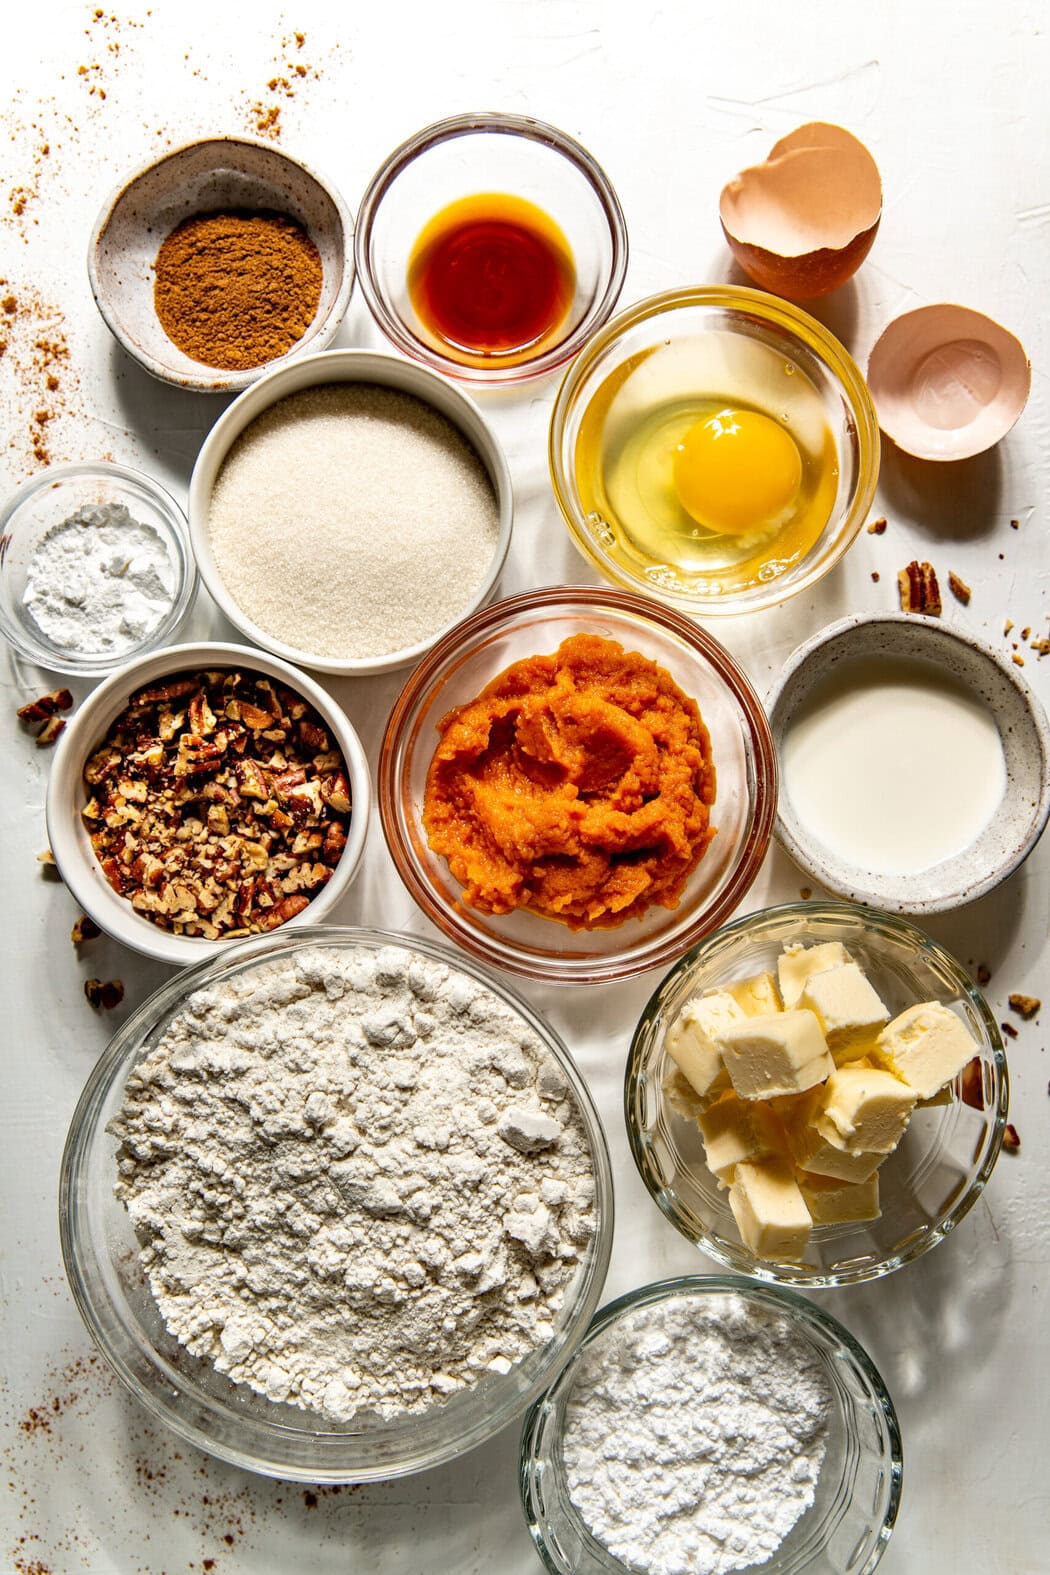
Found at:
[85, 929]
[1025, 1006]
[919, 590]
[959, 588]
[50, 731]
[335, 790]
[971, 1084]
[1011, 1137]
[104, 994]
[282, 911]
[45, 707]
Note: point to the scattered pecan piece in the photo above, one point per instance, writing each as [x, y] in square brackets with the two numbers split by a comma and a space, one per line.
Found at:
[1025, 1006]
[919, 590]
[971, 1084]
[40, 710]
[1011, 1137]
[104, 994]
[984, 974]
[877, 527]
[805, 892]
[47, 857]
[50, 731]
[1009, 1030]
[959, 588]
[85, 929]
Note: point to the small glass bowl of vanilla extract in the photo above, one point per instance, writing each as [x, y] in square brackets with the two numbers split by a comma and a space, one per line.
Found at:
[491, 247]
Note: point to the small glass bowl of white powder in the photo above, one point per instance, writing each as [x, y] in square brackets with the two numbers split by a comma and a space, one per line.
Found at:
[95, 568]
[707, 1426]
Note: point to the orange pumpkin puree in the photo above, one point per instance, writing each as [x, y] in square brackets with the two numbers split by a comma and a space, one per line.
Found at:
[576, 785]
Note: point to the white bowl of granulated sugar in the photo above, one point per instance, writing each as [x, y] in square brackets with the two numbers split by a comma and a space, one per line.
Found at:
[348, 509]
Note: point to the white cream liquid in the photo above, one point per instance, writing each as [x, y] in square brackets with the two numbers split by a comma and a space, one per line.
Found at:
[893, 766]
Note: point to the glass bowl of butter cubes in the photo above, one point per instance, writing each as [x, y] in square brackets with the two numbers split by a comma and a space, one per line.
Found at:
[816, 1094]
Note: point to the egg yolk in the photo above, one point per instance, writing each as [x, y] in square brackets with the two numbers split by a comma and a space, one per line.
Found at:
[736, 471]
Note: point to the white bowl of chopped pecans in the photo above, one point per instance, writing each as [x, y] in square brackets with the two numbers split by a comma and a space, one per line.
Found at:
[205, 793]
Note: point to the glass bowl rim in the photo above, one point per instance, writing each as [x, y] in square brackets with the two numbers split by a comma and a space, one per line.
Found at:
[784, 314]
[119, 1059]
[420, 687]
[177, 536]
[532, 130]
[789, 1303]
[769, 1272]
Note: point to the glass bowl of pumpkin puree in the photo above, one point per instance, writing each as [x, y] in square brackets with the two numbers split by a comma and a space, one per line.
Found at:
[577, 784]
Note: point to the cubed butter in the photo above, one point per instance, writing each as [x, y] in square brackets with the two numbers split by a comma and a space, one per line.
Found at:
[797, 963]
[681, 1096]
[738, 1129]
[809, 1147]
[757, 996]
[769, 1209]
[691, 1043]
[926, 1046]
[779, 1053]
[864, 1109]
[833, 1202]
[847, 1007]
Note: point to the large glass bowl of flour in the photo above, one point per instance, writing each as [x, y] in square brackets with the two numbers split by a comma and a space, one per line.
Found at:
[337, 1282]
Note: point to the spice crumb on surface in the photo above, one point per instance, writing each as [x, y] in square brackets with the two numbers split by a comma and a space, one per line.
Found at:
[959, 588]
[984, 974]
[1009, 1030]
[1025, 1006]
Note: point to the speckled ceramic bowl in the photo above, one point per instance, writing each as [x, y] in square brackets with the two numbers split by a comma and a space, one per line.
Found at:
[1014, 829]
[217, 174]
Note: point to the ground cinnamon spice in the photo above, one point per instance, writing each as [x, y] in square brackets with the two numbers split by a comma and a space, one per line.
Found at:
[235, 290]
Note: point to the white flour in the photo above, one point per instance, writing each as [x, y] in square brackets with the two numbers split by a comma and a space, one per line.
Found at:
[359, 1180]
[99, 582]
[694, 1436]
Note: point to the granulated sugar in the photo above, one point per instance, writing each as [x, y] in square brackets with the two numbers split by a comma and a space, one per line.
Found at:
[353, 521]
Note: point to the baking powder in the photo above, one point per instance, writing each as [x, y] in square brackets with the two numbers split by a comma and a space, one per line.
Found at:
[359, 1179]
[99, 582]
[694, 1435]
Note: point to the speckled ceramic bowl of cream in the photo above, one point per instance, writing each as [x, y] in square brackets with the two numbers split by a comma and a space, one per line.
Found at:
[216, 174]
[1017, 824]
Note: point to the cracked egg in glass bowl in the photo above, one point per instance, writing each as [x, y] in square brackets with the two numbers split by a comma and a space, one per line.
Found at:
[715, 448]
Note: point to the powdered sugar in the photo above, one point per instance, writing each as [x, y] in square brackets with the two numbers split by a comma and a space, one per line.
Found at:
[323, 1160]
[99, 582]
[352, 521]
[694, 1435]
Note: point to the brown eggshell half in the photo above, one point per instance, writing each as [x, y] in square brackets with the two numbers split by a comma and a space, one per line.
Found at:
[947, 382]
[802, 223]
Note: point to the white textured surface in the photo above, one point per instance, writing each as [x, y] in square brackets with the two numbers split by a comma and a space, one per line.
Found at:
[951, 100]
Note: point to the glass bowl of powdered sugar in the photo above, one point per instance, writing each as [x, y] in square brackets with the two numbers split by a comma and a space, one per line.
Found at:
[95, 568]
[707, 1426]
[336, 1207]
